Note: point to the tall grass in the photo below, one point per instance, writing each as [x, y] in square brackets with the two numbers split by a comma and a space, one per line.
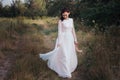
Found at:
[102, 51]
[26, 39]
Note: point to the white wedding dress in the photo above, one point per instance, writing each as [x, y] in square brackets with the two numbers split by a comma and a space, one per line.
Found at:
[63, 59]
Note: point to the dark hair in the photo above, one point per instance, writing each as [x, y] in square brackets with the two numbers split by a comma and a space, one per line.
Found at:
[62, 11]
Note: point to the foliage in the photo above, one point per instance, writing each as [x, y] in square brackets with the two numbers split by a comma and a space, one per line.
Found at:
[30, 8]
[103, 12]
[35, 8]
[98, 14]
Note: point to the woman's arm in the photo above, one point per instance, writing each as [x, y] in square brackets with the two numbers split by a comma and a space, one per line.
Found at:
[59, 33]
[74, 34]
[75, 38]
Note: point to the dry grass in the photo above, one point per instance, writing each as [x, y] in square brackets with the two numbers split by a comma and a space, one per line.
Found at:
[27, 38]
[101, 60]
[1, 55]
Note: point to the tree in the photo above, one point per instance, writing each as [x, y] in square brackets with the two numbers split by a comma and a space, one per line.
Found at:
[35, 8]
[1, 8]
[55, 6]
[103, 12]
[20, 6]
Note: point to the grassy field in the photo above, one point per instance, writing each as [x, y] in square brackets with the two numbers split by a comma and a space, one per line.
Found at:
[24, 39]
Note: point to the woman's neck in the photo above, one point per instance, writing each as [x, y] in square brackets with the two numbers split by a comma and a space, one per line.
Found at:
[66, 18]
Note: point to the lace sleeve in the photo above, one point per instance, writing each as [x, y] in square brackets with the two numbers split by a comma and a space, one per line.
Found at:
[59, 32]
[73, 31]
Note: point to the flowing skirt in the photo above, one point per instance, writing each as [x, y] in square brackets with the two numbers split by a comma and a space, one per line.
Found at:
[62, 59]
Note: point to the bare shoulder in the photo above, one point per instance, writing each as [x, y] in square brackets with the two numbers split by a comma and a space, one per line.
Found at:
[71, 19]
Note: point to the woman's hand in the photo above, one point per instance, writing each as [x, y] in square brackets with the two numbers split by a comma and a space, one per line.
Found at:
[76, 47]
[76, 43]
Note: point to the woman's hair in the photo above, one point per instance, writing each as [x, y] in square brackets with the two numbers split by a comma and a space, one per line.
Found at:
[62, 11]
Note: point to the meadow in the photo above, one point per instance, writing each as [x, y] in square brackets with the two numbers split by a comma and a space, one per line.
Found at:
[22, 39]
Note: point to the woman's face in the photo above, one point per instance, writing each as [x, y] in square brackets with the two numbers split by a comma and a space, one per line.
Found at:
[66, 15]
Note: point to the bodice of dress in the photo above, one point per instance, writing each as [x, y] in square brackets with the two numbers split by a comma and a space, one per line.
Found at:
[67, 25]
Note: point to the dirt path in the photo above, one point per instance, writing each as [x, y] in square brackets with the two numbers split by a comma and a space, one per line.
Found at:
[6, 65]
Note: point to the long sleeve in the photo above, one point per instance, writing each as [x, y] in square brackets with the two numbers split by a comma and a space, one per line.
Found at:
[59, 32]
[73, 31]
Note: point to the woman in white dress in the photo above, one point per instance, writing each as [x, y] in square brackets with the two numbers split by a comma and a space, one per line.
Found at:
[63, 59]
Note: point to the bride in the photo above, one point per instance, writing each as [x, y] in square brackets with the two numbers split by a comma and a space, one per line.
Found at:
[63, 59]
